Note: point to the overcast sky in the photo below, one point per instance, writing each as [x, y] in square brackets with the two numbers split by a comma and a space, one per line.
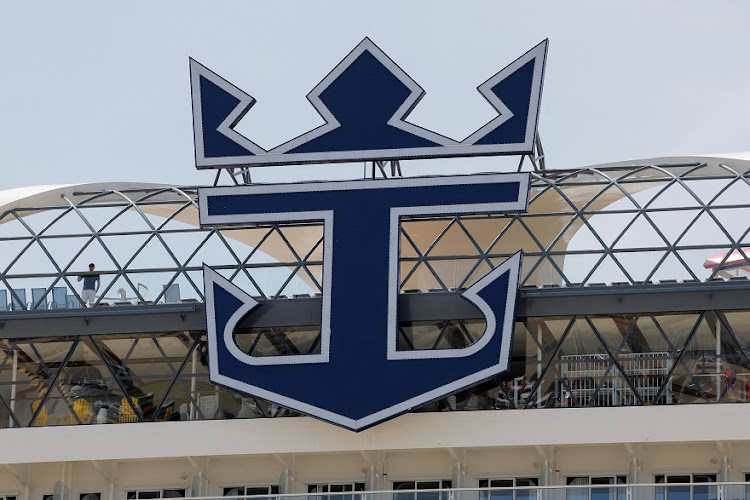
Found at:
[99, 91]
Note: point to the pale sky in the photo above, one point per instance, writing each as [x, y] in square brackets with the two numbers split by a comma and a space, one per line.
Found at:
[99, 91]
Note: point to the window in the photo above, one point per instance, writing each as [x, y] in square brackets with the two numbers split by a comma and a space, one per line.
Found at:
[8, 497]
[150, 494]
[685, 491]
[90, 496]
[600, 492]
[257, 492]
[339, 488]
[422, 485]
[503, 489]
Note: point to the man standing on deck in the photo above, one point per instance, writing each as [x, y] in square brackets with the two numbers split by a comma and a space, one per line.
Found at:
[91, 284]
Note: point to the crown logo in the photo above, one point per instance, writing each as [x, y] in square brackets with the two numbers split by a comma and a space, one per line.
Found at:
[365, 102]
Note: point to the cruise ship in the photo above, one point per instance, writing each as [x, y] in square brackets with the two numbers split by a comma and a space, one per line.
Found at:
[629, 369]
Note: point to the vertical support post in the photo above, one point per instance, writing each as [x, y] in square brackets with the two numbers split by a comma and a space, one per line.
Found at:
[719, 391]
[457, 481]
[668, 381]
[193, 367]
[539, 367]
[539, 151]
[457, 477]
[544, 468]
[286, 482]
[58, 492]
[632, 479]
[723, 478]
[197, 487]
[68, 482]
[396, 168]
[113, 480]
[372, 479]
[381, 165]
[13, 380]
[61, 490]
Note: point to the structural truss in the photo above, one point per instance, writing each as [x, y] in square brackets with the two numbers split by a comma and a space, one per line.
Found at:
[633, 294]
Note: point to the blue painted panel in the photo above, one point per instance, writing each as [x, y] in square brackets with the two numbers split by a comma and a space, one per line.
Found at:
[363, 99]
[360, 378]
[217, 104]
[515, 91]
[357, 381]
[365, 102]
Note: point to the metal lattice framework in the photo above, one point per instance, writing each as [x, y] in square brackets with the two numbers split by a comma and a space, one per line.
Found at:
[586, 229]
[593, 226]
[140, 239]
[560, 361]
[588, 226]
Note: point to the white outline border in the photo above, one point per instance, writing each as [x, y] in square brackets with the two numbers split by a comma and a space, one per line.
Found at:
[512, 265]
[398, 119]
[450, 147]
[540, 54]
[226, 128]
[325, 326]
[211, 277]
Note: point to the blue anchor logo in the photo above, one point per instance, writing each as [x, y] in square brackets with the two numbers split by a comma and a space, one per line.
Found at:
[359, 378]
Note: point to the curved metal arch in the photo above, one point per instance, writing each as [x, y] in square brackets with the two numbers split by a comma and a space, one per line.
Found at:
[600, 181]
[130, 204]
[703, 208]
[671, 248]
[241, 265]
[628, 174]
[668, 177]
[95, 236]
[738, 247]
[156, 234]
[36, 238]
[578, 213]
[642, 211]
[123, 209]
[555, 186]
[607, 248]
[189, 201]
